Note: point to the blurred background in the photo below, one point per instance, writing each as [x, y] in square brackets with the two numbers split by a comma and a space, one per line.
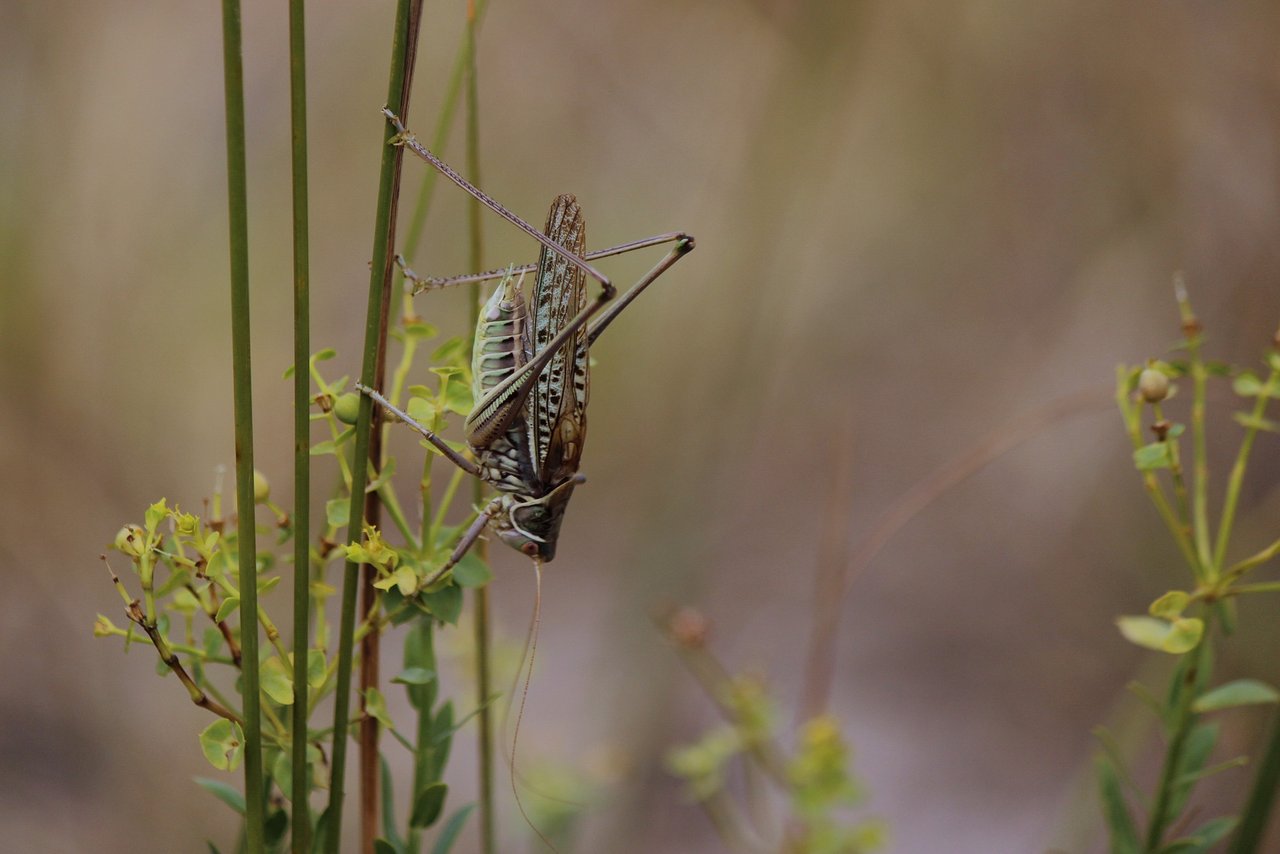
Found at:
[917, 222]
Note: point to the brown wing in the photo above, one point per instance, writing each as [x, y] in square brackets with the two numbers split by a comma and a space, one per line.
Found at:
[556, 409]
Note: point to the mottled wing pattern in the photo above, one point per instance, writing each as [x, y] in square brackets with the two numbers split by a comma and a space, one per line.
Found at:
[556, 409]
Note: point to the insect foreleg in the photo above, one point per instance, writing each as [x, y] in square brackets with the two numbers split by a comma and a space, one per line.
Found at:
[440, 445]
[493, 508]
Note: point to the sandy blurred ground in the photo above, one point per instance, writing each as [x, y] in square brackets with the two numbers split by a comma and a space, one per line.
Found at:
[935, 215]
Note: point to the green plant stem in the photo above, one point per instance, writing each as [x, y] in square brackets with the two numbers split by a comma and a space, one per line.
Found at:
[301, 831]
[1238, 570]
[1183, 720]
[383, 231]
[1236, 479]
[1263, 587]
[480, 601]
[450, 490]
[420, 652]
[1132, 414]
[1175, 471]
[1200, 466]
[391, 503]
[168, 656]
[237, 203]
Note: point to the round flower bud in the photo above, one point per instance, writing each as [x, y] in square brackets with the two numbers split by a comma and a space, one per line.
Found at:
[261, 488]
[347, 407]
[1153, 385]
[131, 540]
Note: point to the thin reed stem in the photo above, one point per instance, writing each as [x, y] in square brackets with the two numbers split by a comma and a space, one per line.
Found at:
[407, 11]
[238, 211]
[300, 836]
[480, 601]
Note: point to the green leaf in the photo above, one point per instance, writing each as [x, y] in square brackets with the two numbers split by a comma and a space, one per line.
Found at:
[1254, 423]
[1170, 605]
[419, 654]
[1120, 827]
[471, 571]
[315, 667]
[1149, 632]
[420, 330]
[229, 796]
[388, 471]
[274, 828]
[415, 676]
[330, 446]
[267, 584]
[428, 804]
[390, 835]
[319, 449]
[445, 603]
[212, 641]
[337, 512]
[404, 579]
[457, 398]
[391, 602]
[222, 743]
[1247, 384]
[1185, 636]
[1153, 456]
[1176, 637]
[282, 771]
[454, 351]
[277, 681]
[1242, 692]
[382, 846]
[443, 728]
[376, 705]
[449, 833]
[422, 410]
[185, 601]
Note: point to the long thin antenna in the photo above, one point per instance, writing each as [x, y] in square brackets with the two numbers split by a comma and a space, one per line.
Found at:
[524, 695]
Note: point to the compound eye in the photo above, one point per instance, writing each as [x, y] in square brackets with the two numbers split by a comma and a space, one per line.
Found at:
[530, 549]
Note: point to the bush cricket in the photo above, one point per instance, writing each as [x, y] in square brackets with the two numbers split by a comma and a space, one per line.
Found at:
[530, 376]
